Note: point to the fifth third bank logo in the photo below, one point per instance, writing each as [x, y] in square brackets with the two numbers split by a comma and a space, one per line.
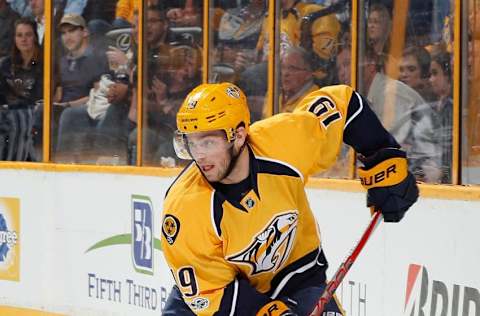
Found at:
[142, 234]
[425, 297]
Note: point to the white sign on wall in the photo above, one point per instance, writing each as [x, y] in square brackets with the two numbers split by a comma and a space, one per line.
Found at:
[90, 246]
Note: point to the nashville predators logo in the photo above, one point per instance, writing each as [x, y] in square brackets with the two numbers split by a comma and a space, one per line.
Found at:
[272, 246]
[170, 228]
[233, 92]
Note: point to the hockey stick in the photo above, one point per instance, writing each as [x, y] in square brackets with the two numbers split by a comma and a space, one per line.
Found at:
[346, 265]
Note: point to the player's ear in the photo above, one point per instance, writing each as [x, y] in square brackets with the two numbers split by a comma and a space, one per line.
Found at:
[240, 136]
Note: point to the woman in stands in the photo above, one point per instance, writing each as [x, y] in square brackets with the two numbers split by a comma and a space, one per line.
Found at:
[20, 87]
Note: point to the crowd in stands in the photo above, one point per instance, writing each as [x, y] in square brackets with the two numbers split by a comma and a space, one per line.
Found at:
[315, 51]
[94, 99]
[94, 96]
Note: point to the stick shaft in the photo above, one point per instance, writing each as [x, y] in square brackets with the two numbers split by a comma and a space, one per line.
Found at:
[346, 265]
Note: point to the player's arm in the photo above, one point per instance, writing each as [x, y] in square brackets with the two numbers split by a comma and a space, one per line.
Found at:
[342, 113]
[207, 284]
[231, 304]
[391, 187]
[236, 298]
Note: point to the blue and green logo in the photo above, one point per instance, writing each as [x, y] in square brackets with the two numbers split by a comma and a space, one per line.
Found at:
[141, 239]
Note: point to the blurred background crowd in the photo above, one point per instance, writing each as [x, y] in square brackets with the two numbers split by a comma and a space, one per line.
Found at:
[404, 65]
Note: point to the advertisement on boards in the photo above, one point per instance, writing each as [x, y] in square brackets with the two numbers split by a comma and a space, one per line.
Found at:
[136, 276]
[428, 294]
[9, 239]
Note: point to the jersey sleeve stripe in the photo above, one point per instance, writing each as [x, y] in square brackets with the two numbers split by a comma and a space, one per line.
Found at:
[357, 112]
[215, 219]
[234, 298]
[295, 170]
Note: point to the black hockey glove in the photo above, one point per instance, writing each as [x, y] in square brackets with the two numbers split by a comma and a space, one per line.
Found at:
[391, 187]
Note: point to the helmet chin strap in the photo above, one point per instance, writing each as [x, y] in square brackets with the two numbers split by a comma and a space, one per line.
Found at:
[233, 160]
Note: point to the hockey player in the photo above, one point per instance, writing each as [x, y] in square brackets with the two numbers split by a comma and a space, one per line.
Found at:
[238, 232]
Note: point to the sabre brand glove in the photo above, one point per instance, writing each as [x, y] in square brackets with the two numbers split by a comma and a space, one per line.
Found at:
[275, 308]
[390, 186]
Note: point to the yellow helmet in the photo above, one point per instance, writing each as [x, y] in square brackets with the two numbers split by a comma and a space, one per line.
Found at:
[214, 106]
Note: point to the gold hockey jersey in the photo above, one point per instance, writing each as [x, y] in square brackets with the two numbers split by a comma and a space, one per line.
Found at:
[270, 237]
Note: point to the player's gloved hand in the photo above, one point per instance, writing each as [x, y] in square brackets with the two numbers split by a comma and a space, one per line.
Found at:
[275, 308]
[391, 187]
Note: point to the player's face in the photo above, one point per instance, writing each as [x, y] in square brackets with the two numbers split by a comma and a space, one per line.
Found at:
[212, 153]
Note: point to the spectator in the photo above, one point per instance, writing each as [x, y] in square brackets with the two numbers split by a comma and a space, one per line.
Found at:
[38, 10]
[296, 77]
[75, 84]
[100, 16]
[21, 86]
[472, 122]
[80, 71]
[22, 7]
[300, 26]
[7, 20]
[343, 64]
[441, 80]
[102, 126]
[390, 99]
[74, 6]
[124, 58]
[158, 48]
[124, 13]
[324, 31]
[238, 33]
[186, 13]
[415, 71]
[379, 27]
[172, 80]
[429, 143]
[111, 133]
[156, 33]
[59, 8]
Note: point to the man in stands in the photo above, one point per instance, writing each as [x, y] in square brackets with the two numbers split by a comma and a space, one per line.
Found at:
[80, 71]
[390, 98]
[296, 75]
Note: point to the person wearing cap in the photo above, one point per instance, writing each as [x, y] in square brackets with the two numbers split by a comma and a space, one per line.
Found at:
[80, 70]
